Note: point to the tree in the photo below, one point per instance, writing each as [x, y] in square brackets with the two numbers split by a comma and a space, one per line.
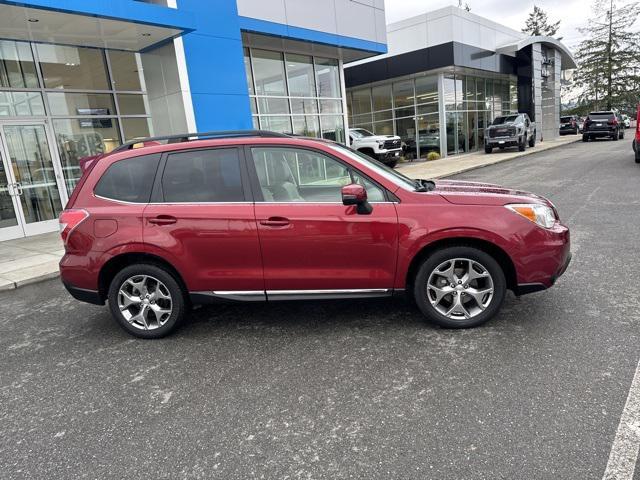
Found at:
[609, 57]
[538, 24]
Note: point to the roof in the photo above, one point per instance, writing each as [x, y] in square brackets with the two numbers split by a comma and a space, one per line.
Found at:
[568, 62]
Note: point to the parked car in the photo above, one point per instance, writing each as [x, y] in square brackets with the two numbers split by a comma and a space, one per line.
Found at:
[636, 138]
[580, 124]
[515, 130]
[385, 148]
[626, 121]
[262, 216]
[603, 124]
[569, 125]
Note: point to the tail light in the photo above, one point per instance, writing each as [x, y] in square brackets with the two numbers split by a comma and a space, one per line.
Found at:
[613, 121]
[587, 121]
[69, 221]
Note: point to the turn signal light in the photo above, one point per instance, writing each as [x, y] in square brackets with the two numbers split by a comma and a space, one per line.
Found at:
[69, 221]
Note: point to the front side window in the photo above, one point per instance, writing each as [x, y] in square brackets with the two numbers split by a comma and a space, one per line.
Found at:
[203, 176]
[129, 180]
[298, 175]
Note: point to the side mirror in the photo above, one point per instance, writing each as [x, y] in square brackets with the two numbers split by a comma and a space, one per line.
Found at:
[355, 194]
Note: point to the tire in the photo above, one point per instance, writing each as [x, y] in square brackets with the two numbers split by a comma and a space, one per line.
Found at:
[616, 137]
[427, 278]
[622, 134]
[488, 149]
[532, 140]
[369, 152]
[522, 145]
[585, 138]
[125, 280]
[391, 164]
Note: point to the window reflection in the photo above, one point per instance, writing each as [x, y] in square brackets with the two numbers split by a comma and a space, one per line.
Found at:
[72, 67]
[17, 68]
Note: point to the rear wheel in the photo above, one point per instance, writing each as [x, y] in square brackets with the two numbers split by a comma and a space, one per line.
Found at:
[146, 301]
[488, 149]
[585, 138]
[460, 287]
[532, 140]
[616, 136]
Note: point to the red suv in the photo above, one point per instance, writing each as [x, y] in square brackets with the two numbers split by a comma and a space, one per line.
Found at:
[259, 216]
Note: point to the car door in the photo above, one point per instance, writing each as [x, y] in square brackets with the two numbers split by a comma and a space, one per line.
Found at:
[313, 245]
[202, 217]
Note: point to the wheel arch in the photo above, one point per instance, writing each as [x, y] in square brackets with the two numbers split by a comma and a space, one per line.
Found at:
[110, 269]
[502, 257]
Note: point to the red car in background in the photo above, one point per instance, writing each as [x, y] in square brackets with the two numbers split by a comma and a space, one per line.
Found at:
[636, 138]
[260, 216]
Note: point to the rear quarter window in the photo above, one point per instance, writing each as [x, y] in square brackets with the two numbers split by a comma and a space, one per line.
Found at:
[129, 180]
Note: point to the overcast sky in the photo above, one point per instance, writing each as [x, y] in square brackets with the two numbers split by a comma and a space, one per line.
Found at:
[512, 13]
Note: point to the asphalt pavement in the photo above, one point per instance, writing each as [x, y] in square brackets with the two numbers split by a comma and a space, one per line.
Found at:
[358, 389]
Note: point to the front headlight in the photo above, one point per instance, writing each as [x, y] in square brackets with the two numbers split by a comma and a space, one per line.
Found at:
[539, 214]
[380, 144]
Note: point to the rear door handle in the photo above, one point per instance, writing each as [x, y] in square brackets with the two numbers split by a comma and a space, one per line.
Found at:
[163, 220]
[275, 222]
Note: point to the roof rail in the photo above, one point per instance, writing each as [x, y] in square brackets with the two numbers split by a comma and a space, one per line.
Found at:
[185, 137]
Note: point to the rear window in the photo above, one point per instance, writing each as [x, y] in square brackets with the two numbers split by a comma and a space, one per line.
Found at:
[203, 176]
[565, 119]
[129, 180]
[601, 115]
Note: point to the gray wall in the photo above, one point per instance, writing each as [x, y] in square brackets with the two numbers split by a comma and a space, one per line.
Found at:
[362, 19]
[166, 96]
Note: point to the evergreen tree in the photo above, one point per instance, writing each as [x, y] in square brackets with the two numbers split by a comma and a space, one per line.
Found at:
[609, 57]
[538, 23]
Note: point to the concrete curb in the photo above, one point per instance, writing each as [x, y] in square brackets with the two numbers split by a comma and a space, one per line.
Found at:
[9, 285]
[502, 160]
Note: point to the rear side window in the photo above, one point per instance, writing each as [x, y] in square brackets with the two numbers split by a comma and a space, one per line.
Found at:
[199, 176]
[129, 180]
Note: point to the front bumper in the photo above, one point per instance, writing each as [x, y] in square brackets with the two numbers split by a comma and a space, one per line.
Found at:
[502, 142]
[389, 154]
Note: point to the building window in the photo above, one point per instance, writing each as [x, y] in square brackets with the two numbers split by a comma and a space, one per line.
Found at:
[77, 68]
[17, 68]
[294, 93]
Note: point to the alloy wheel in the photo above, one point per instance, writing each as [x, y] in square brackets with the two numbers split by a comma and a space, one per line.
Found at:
[460, 288]
[145, 302]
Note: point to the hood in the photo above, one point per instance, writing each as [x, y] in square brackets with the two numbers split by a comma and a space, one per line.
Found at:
[475, 193]
[376, 138]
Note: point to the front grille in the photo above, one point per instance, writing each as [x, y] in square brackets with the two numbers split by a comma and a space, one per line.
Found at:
[502, 132]
[391, 144]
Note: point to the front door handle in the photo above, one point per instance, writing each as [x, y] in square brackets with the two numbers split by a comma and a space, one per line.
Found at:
[163, 220]
[275, 222]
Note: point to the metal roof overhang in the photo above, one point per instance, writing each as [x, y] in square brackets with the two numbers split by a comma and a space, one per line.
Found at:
[115, 24]
[568, 62]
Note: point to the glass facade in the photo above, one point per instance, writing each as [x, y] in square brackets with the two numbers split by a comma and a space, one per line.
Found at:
[295, 93]
[411, 109]
[94, 99]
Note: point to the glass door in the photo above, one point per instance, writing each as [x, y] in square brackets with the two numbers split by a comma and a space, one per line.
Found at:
[33, 179]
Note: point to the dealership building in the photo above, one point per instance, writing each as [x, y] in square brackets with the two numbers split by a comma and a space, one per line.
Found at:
[447, 74]
[78, 78]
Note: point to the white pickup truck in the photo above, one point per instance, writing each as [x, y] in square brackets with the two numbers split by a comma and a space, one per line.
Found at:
[385, 148]
[514, 130]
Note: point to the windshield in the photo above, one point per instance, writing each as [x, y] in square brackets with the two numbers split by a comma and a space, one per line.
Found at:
[360, 132]
[507, 119]
[565, 119]
[387, 172]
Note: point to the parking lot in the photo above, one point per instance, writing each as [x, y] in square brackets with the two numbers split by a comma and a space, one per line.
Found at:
[357, 389]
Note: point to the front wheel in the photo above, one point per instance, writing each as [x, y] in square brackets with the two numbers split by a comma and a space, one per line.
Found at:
[522, 145]
[146, 301]
[391, 164]
[585, 138]
[460, 287]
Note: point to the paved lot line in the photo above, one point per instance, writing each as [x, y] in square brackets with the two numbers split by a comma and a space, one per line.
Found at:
[624, 452]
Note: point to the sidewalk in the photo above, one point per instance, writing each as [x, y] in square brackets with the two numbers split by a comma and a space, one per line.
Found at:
[33, 259]
[446, 167]
[29, 260]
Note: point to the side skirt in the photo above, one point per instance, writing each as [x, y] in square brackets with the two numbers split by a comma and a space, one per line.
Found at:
[198, 298]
